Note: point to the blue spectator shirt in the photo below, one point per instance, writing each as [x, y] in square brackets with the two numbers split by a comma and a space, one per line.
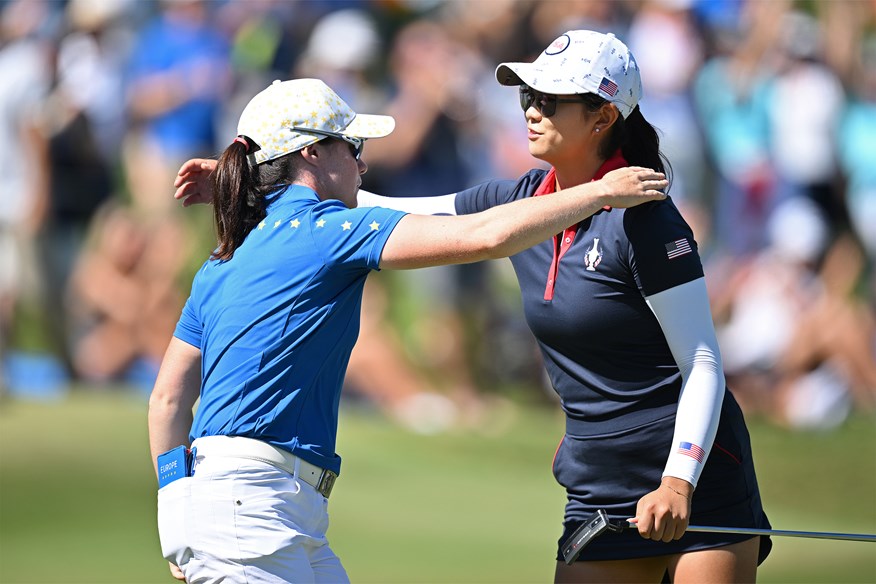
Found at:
[584, 300]
[276, 324]
[197, 58]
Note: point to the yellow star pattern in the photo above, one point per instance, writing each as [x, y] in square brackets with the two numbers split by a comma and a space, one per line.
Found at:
[320, 223]
[268, 116]
[346, 225]
[374, 226]
[262, 225]
[294, 223]
[277, 224]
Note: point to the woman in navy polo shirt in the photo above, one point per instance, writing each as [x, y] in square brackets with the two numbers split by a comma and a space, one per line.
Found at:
[266, 334]
[619, 308]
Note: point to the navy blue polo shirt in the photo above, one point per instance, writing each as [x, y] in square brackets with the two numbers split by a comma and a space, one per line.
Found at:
[276, 324]
[602, 346]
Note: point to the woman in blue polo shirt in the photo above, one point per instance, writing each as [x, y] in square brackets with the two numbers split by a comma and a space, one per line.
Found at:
[266, 334]
[619, 307]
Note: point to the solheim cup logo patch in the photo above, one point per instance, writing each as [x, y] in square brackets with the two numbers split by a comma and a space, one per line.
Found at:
[558, 46]
[593, 256]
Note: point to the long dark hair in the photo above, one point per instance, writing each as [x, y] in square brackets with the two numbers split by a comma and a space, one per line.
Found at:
[241, 193]
[635, 136]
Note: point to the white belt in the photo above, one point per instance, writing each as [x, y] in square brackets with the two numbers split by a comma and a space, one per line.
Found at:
[239, 447]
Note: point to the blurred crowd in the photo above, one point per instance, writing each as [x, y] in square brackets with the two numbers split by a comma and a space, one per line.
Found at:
[767, 113]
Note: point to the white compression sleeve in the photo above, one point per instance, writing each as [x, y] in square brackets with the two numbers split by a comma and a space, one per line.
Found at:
[686, 319]
[440, 205]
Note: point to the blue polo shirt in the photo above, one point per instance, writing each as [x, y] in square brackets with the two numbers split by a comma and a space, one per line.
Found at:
[276, 323]
[583, 297]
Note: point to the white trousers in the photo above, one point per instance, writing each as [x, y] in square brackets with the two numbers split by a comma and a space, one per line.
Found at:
[239, 520]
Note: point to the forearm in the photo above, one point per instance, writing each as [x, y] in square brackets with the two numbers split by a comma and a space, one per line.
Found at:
[506, 232]
[169, 425]
[158, 93]
[420, 241]
[175, 392]
[684, 316]
[696, 423]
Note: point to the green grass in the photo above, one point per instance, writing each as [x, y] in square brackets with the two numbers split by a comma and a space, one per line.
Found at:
[77, 498]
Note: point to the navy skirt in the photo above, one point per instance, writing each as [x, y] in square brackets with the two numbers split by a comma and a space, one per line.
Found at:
[613, 471]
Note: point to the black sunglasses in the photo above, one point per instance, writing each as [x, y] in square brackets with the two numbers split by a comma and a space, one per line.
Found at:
[546, 103]
[356, 144]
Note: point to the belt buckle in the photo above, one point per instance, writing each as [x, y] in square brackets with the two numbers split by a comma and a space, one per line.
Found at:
[326, 483]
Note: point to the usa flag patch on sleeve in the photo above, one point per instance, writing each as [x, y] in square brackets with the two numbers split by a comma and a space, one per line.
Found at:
[678, 248]
[692, 450]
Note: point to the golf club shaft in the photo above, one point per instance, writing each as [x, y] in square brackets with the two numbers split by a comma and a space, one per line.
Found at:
[780, 532]
[784, 533]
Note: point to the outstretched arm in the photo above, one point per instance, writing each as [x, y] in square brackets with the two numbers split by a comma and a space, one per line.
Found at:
[193, 187]
[420, 241]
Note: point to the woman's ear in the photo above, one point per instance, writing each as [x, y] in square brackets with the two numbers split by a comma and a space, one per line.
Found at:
[312, 153]
[606, 116]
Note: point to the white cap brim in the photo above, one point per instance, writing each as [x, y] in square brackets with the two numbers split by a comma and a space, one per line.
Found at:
[370, 126]
[538, 78]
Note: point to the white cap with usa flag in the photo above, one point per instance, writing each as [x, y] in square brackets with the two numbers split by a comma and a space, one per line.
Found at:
[581, 61]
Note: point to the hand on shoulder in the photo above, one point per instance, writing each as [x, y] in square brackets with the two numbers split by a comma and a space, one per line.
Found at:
[633, 185]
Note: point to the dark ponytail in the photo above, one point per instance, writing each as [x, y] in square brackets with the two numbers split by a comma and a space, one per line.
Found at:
[640, 143]
[635, 136]
[240, 193]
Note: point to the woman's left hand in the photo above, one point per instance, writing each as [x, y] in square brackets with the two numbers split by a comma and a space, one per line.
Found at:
[176, 572]
[664, 514]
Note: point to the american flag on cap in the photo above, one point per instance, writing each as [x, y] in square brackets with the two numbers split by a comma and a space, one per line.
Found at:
[608, 86]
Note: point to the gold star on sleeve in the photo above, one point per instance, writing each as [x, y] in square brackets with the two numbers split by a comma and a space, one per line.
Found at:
[277, 224]
[262, 225]
[374, 226]
[294, 223]
[346, 225]
[320, 223]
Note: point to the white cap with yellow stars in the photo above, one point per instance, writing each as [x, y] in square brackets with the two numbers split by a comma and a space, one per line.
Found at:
[279, 117]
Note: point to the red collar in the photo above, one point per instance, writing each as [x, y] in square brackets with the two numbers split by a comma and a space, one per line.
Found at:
[547, 186]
